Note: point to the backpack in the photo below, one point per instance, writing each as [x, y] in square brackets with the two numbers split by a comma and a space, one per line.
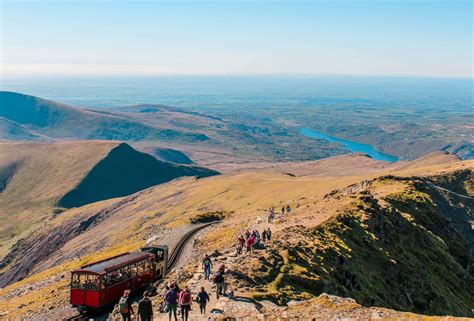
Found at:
[185, 298]
[123, 305]
[171, 296]
[219, 278]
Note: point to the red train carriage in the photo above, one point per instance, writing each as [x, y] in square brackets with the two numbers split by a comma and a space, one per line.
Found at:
[100, 283]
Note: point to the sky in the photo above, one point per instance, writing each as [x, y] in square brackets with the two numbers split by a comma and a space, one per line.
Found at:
[354, 37]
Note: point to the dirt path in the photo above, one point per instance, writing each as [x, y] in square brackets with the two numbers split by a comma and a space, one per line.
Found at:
[449, 191]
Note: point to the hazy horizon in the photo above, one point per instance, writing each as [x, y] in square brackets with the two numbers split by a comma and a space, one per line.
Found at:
[211, 38]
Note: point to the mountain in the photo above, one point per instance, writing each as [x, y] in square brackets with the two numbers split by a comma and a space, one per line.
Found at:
[59, 121]
[169, 155]
[39, 180]
[396, 237]
[11, 130]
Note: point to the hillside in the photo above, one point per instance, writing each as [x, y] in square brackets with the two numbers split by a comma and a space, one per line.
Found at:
[59, 121]
[342, 237]
[169, 155]
[39, 180]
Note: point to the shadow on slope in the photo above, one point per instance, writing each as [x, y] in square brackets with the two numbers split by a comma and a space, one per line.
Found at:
[125, 171]
[169, 155]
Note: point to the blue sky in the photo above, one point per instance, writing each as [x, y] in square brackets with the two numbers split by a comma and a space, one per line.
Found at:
[69, 37]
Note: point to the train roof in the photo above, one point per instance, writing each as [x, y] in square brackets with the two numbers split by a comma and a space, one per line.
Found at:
[113, 263]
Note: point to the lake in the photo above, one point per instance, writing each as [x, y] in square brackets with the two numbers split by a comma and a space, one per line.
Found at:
[354, 147]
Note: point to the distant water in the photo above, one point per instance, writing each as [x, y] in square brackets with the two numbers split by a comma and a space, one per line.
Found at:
[354, 147]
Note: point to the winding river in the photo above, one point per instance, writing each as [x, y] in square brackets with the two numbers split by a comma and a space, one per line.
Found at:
[354, 147]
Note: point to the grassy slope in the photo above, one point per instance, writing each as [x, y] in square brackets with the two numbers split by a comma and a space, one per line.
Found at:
[405, 252]
[38, 175]
[174, 203]
[125, 171]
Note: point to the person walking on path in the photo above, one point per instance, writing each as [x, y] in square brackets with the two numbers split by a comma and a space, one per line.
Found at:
[202, 298]
[219, 280]
[185, 300]
[207, 265]
[125, 306]
[247, 234]
[171, 298]
[250, 242]
[271, 215]
[145, 309]
[240, 244]
[269, 234]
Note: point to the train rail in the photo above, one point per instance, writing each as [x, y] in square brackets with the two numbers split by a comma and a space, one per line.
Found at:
[177, 251]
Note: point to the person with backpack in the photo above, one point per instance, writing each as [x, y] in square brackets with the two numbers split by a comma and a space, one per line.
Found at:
[125, 306]
[145, 309]
[171, 298]
[250, 242]
[207, 265]
[219, 281]
[202, 298]
[185, 300]
[240, 244]
[247, 234]
[269, 234]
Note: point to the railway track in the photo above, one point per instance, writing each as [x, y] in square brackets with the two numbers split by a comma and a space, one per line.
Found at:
[173, 259]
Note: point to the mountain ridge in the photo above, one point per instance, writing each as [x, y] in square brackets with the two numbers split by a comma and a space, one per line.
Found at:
[61, 121]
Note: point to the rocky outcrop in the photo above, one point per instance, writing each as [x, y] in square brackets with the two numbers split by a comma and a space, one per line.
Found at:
[408, 251]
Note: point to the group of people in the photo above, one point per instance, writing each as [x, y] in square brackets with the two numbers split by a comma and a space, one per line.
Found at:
[271, 212]
[219, 276]
[253, 239]
[175, 297]
[145, 309]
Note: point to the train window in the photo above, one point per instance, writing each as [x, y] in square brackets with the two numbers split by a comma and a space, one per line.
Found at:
[125, 273]
[159, 255]
[75, 281]
[85, 281]
[141, 268]
[133, 270]
[112, 278]
[148, 267]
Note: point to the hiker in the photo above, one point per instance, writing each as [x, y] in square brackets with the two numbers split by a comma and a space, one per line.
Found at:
[151, 289]
[206, 265]
[185, 300]
[240, 244]
[247, 234]
[288, 209]
[271, 215]
[283, 210]
[269, 234]
[125, 306]
[264, 235]
[145, 310]
[202, 298]
[221, 287]
[171, 298]
[250, 242]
